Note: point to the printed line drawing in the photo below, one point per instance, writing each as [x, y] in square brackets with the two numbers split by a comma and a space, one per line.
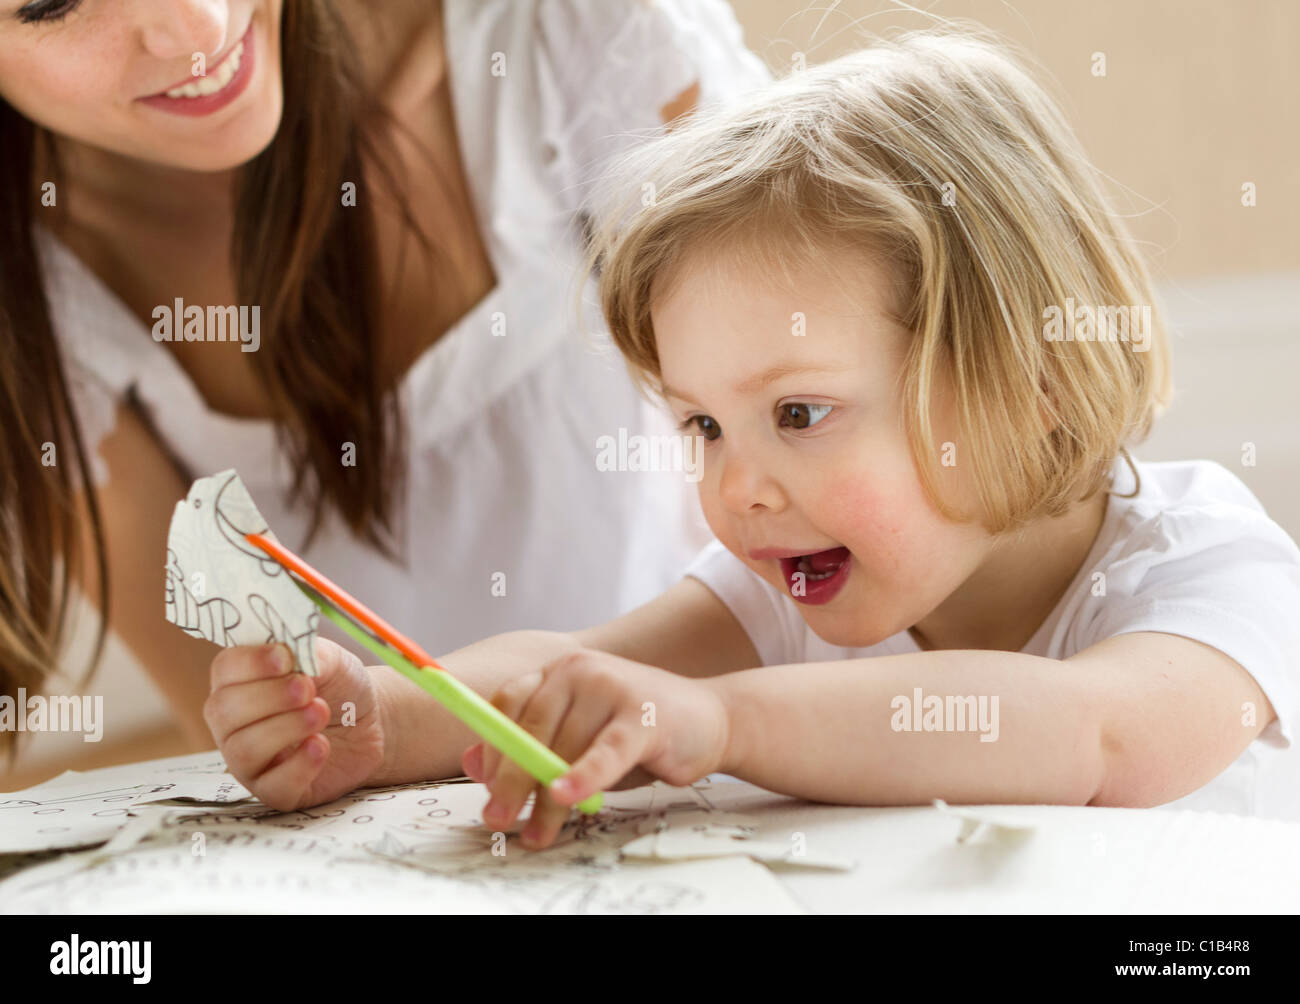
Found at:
[414, 847]
[220, 587]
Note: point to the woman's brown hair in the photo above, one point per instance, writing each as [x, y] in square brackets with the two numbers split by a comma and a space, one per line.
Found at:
[297, 253]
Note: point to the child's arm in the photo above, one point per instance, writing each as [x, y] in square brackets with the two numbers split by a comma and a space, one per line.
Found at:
[686, 630]
[1138, 720]
[285, 737]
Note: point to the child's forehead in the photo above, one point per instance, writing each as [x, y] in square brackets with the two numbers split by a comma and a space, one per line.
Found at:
[755, 279]
[730, 328]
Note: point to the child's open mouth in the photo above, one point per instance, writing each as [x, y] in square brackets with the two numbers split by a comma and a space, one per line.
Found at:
[816, 578]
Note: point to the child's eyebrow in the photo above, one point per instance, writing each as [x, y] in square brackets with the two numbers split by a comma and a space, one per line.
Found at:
[759, 380]
[670, 392]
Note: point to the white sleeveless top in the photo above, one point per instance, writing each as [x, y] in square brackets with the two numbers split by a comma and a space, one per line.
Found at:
[504, 494]
[1192, 553]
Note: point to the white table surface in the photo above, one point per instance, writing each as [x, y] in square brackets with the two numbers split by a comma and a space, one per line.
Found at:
[1029, 859]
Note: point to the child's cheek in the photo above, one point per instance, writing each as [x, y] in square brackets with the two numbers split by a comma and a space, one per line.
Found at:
[890, 531]
[858, 510]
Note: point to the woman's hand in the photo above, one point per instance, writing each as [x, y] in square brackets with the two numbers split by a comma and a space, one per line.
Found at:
[619, 723]
[291, 739]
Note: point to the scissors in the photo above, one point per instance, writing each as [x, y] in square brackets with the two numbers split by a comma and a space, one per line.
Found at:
[409, 659]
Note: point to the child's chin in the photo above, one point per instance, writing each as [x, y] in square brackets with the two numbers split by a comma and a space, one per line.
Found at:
[847, 628]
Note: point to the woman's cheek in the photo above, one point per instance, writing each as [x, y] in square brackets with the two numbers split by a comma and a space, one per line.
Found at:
[52, 93]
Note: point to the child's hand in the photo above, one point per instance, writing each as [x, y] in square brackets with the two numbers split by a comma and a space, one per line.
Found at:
[606, 716]
[283, 734]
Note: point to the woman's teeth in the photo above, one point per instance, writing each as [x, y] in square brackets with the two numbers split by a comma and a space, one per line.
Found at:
[214, 81]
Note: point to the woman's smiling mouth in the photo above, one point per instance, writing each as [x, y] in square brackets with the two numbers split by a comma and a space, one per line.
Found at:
[219, 87]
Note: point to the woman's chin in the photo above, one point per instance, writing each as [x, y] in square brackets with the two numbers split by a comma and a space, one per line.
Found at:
[224, 155]
[223, 146]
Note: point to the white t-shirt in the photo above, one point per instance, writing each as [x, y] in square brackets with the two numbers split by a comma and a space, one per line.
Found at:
[507, 521]
[1193, 554]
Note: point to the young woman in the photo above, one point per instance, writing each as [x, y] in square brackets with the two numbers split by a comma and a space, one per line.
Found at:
[393, 195]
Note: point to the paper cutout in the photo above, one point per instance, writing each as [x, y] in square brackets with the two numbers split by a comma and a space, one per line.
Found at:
[222, 588]
[418, 847]
[1005, 820]
[703, 842]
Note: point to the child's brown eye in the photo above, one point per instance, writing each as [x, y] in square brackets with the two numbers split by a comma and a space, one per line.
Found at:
[707, 427]
[800, 415]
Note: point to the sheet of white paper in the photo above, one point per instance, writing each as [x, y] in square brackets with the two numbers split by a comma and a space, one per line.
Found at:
[79, 810]
[222, 588]
[418, 848]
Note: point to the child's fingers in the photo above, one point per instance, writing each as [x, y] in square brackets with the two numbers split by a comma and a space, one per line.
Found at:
[577, 732]
[283, 784]
[539, 714]
[509, 700]
[614, 752]
[232, 707]
[547, 819]
[491, 760]
[471, 762]
[249, 751]
[244, 663]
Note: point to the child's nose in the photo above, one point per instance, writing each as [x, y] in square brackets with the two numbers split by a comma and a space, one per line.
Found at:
[746, 485]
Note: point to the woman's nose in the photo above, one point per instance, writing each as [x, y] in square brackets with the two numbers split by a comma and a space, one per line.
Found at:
[745, 486]
[171, 29]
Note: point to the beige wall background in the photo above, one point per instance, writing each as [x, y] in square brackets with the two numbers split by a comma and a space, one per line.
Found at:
[1199, 97]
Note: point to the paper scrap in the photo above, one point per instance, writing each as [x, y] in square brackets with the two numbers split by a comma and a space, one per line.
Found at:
[1004, 819]
[221, 587]
[697, 843]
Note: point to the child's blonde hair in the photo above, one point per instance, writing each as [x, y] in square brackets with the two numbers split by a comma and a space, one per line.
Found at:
[937, 153]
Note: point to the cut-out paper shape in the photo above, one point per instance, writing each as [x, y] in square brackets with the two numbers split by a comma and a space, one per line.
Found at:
[222, 588]
[1004, 820]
